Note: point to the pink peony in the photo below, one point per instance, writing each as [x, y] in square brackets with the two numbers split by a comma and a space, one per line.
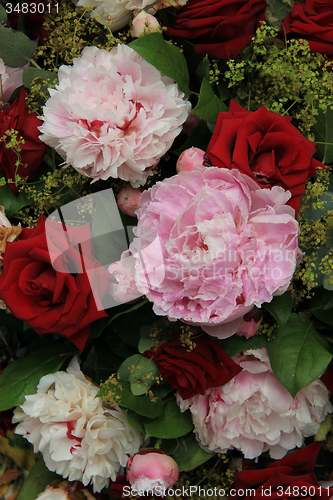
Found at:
[211, 244]
[250, 324]
[190, 159]
[113, 114]
[128, 200]
[254, 412]
[11, 79]
[151, 468]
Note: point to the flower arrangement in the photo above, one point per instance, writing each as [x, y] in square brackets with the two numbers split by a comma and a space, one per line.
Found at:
[166, 271]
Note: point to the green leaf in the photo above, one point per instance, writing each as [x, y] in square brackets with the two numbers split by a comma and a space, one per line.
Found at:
[280, 307]
[146, 405]
[199, 138]
[11, 202]
[135, 421]
[172, 424]
[3, 15]
[276, 12]
[322, 131]
[37, 480]
[141, 372]
[234, 344]
[188, 453]
[298, 354]
[22, 376]
[128, 325]
[29, 74]
[209, 105]
[98, 327]
[166, 57]
[16, 49]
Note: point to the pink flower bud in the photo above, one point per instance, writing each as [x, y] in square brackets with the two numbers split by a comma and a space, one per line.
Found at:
[151, 468]
[250, 324]
[190, 159]
[124, 288]
[143, 24]
[128, 200]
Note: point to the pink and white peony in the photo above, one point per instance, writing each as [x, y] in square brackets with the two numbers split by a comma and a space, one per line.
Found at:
[150, 469]
[79, 437]
[10, 79]
[211, 244]
[254, 412]
[113, 114]
[117, 13]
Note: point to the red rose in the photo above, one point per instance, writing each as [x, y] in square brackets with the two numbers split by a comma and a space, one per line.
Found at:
[222, 28]
[48, 300]
[266, 147]
[17, 118]
[312, 21]
[193, 371]
[291, 477]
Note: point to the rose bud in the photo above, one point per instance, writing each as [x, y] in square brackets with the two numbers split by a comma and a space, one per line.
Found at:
[151, 468]
[250, 324]
[190, 159]
[128, 200]
[143, 24]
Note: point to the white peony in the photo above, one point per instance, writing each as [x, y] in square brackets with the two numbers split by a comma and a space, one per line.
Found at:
[78, 436]
[113, 115]
[254, 412]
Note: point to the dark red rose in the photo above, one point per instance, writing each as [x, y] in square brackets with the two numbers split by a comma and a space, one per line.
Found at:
[265, 146]
[18, 118]
[193, 371]
[312, 21]
[221, 28]
[291, 477]
[49, 300]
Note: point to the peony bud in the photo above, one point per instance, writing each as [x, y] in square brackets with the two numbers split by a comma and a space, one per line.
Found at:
[124, 288]
[128, 200]
[151, 468]
[143, 24]
[65, 490]
[250, 324]
[190, 159]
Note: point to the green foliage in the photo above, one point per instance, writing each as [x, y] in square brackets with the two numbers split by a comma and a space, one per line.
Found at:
[298, 354]
[166, 57]
[16, 49]
[277, 10]
[322, 132]
[209, 105]
[141, 373]
[289, 80]
[316, 239]
[186, 452]
[12, 203]
[22, 376]
[172, 424]
[3, 15]
[280, 307]
[234, 344]
[118, 391]
[38, 478]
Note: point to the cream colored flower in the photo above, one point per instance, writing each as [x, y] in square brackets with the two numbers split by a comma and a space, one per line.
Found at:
[78, 436]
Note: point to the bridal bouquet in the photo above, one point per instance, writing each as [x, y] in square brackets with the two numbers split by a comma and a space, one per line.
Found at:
[166, 249]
